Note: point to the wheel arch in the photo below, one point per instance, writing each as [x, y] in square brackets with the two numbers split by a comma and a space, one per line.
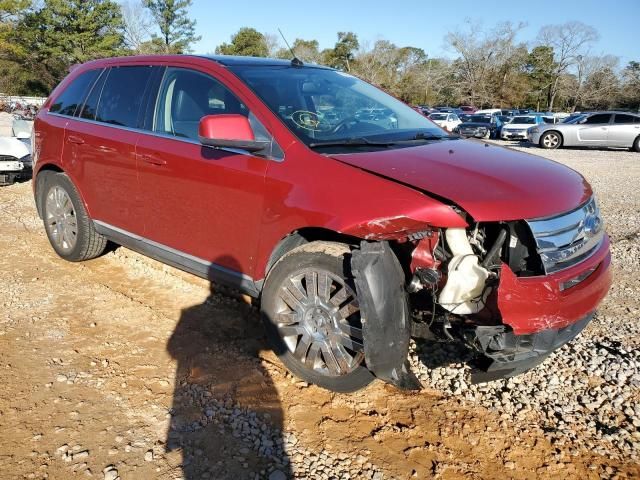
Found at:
[39, 179]
[301, 236]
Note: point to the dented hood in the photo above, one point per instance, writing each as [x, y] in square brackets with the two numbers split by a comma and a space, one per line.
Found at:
[491, 183]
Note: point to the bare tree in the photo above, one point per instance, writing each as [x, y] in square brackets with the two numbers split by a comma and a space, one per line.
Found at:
[587, 68]
[569, 41]
[138, 25]
[480, 54]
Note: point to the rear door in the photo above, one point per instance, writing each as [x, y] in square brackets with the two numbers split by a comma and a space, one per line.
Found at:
[624, 130]
[595, 130]
[200, 203]
[102, 143]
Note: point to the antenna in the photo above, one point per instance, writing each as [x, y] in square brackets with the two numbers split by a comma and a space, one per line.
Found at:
[295, 61]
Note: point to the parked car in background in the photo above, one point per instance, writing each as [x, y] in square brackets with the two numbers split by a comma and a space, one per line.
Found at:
[353, 236]
[468, 108]
[448, 121]
[517, 128]
[15, 159]
[489, 111]
[480, 126]
[597, 129]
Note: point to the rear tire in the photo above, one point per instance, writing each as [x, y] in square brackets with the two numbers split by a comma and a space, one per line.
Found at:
[310, 309]
[550, 140]
[636, 145]
[70, 230]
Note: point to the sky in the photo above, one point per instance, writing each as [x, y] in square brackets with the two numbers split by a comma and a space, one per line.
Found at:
[422, 24]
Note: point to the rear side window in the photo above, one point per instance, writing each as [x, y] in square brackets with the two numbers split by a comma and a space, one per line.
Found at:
[121, 97]
[71, 98]
[598, 119]
[625, 119]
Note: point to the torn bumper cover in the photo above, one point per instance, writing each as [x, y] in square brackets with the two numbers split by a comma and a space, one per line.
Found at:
[539, 315]
[385, 314]
[507, 354]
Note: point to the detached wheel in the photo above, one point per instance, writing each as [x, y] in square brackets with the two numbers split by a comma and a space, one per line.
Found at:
[550, 140]
[69, 228]
[487, 135]
[311, 313]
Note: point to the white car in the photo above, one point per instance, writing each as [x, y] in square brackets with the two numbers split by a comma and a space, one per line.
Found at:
[517, 128]
[15, 159]
[448, 121]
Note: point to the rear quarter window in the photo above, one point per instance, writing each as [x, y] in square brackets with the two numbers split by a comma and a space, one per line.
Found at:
[122, 95]
[73, 95]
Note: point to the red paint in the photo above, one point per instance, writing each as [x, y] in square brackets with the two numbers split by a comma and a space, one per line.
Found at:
[531, 304]
[227, 127]
[422, 256]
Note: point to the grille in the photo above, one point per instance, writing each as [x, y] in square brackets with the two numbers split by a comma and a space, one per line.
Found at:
[568, 239]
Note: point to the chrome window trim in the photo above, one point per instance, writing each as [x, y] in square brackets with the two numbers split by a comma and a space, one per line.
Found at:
[168, 136]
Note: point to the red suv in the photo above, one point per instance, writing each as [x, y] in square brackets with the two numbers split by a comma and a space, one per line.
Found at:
[354, 220]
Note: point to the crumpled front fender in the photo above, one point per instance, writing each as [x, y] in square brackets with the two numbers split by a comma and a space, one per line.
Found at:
[385, 314]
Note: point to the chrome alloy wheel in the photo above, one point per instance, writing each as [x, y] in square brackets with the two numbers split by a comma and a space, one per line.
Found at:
[61, 219]
[551, 140]
[318, 318]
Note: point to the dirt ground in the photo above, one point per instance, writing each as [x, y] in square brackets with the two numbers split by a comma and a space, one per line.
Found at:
[108, 368]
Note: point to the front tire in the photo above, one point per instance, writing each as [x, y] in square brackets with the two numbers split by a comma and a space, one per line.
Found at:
[636, 145]
[70, 230]
[310, 309]
[550, 140]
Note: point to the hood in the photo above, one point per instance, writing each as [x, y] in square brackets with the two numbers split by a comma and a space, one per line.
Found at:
[13, 147]
[491, 183]
[520, 125]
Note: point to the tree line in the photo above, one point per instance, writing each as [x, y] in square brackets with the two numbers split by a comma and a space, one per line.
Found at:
[488, 66]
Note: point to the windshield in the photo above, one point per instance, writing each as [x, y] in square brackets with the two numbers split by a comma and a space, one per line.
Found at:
[326, 106]
[480, 118]
[527, 120]
[438, 116]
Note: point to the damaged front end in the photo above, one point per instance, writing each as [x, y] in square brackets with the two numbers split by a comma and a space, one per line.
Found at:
[512, 291]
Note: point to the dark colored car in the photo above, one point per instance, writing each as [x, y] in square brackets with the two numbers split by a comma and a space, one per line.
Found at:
[467, 108]
[481, 126]
[352, 231]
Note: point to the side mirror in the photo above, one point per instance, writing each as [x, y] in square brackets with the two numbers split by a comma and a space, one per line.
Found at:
[229, 131]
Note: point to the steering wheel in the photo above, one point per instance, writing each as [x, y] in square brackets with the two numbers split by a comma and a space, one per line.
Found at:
[343, 123]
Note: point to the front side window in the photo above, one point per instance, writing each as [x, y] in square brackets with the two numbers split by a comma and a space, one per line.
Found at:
[598, 119]
[326, 107]
[186, 96]
[122, 95]
[73, 95]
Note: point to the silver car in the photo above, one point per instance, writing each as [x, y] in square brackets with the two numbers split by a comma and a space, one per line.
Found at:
[597, 129]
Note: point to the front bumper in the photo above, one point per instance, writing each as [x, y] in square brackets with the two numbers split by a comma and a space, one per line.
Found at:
[532, 304]
[515, 135]
[534, 137]
[507, 354]
[539, 315]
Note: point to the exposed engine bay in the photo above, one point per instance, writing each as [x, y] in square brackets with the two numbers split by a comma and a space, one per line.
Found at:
[452, 295]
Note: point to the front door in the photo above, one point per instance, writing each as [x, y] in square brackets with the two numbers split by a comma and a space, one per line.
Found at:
[200, 203]
[595, 130]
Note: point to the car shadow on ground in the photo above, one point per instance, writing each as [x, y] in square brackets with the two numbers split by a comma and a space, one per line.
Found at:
[212, 433]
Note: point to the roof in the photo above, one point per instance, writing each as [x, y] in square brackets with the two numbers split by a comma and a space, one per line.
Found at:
[234, 60]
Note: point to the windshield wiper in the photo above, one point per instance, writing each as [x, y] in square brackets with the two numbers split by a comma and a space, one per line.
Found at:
[350, 142]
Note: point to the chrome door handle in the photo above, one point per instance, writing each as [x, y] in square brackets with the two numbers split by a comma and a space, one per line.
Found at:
[105, 149]
[152, 159]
